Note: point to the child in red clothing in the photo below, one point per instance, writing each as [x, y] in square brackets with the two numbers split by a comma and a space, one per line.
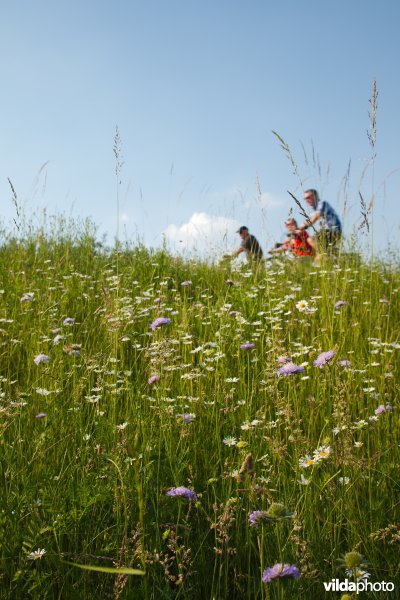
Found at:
[298, 243]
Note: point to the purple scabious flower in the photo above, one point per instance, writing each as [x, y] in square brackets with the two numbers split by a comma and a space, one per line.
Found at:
[28, 297]
[74, 352]
[159, 322]
[280, 570]
[69, 321]
[340, 303]
[182, 492]
[247, 346]
[187, 417]
[41, 358]
[41, 415]
[186, 283]
[256, 516]
[344, 363]
[290, 368]
[382, 408]
[324, 358]
[283, 359]
[153, 379]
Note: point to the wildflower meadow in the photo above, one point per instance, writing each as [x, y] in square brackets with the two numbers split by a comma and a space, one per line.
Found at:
[177, 429]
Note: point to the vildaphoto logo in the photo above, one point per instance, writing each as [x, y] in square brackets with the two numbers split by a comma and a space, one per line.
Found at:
[335, 585]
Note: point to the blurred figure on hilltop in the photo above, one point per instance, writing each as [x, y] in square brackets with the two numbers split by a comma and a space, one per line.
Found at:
[330, 232]
[300, 243]
[249, 245]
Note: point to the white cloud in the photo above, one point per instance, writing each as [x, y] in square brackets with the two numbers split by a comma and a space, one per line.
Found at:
[267, 200]
[202, 232]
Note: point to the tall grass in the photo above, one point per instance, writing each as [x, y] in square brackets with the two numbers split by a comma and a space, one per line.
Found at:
[89, 448]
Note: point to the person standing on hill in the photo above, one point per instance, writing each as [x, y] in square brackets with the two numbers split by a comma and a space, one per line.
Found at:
[330, 231]
[249, 245]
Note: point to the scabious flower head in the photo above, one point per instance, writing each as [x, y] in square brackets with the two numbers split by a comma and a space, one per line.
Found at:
[290, 368]
[153, 379]
[344, 363]
[230, 282]
[159, 322]
[247, 346]
[280, 570]
[187, 417]
[352, 560]
[28, 297]
[41, 415]
[324, 358]
[282, 360]
[278, 511]
[182, 492]
[41, 358]
[186, 283]
[340, 303]
[275, 512]
[72, 349]
[241, 444]
[69, 321]
[256, 516]
[382, 408]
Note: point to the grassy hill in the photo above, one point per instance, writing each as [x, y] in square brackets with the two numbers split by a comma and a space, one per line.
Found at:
[152, 447]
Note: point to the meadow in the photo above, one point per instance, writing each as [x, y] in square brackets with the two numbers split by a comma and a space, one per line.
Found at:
[176, 429]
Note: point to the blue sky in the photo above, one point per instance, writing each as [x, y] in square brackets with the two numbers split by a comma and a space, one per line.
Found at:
[196, 89]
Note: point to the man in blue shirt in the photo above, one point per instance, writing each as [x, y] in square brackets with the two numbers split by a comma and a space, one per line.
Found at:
[330, 231]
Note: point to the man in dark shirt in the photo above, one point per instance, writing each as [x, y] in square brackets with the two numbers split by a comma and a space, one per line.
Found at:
[249, 245]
